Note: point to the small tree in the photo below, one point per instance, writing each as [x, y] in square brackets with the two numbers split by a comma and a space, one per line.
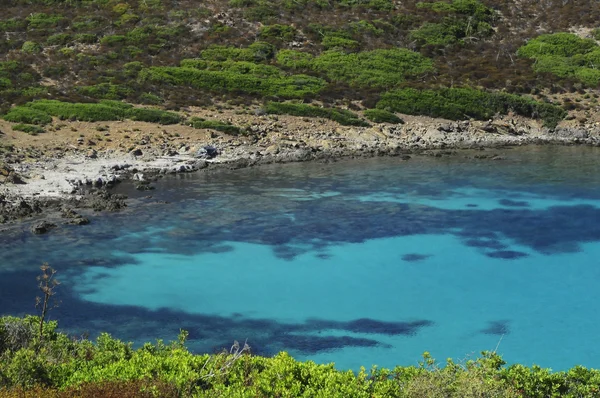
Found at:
[46, 284]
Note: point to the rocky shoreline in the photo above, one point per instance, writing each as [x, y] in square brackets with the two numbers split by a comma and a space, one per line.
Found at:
[63, 183]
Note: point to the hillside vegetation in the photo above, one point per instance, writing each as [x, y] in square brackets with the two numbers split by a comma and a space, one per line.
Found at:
[517, 56]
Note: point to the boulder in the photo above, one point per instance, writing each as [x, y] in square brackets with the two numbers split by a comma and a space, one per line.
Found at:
[42, 227]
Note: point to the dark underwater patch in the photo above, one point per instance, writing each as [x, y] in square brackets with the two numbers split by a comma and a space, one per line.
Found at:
[497, 328]
[506, 254]
[415, 257]
[485, 243]
[370, 326]
[309, 344]
[513, 203]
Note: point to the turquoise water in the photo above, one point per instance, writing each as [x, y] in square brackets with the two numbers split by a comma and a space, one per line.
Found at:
[354, 262]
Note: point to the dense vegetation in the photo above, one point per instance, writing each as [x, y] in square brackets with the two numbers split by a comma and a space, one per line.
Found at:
[52, 364]
[178, 53]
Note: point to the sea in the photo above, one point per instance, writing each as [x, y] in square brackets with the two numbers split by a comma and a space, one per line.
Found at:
[359, 262]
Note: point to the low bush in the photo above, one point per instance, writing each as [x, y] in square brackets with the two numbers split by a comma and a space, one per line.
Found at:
[465, 103]
[464, 20]
[382, 116]
[59, 39]
[294, 59]
[341, 116]
[31, 129]
[40, 112]
[27, 115]
[277, 32]
[31, 47]
[230, 76]
[256, 52]
[199, 123]
[105, 91]
[565, 55]
[378, 68]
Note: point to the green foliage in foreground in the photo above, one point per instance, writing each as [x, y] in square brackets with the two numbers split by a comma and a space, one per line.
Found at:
[565, 55]
[465, 103]
[30, 366]
[382, 116]
[341, 116]
[41, 112]
[199, 123]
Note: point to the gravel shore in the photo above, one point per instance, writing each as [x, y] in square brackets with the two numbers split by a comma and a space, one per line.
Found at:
[70, 179]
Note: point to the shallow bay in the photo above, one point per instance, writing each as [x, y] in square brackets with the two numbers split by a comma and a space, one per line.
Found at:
[360, 262]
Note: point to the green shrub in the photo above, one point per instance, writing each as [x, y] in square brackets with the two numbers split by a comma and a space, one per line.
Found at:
[150, 99]
[465, 103]
[466, 19]
[335, 42]
[256, 52]
[113, 40]
[382, 116]
[242, 77]
[31, 47]
[105, 91]
[12, 25]
[294, 59]
[23, 114]
[28, 128]
[564, 55]
[153, 116]
[59, 39]
[86, 38]
[199, 123]
[378, 68]
[341, 116]
[558, 45]
[58, 366]
[5, 83]
[40, 112]
[41, 20]
[277, 32]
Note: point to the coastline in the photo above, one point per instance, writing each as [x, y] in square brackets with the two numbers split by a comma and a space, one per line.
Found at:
[79, 177]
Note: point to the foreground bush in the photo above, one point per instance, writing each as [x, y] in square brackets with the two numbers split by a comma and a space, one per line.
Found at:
[465, 103]
[58, 366]
[341, 116]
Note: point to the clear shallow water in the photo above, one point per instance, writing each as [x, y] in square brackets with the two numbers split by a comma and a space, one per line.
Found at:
[358, 262]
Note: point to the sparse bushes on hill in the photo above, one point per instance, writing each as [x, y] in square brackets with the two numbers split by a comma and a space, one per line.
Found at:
[565, 55]
[199, 123]
[382, 116]
[341, 116]
[465, 103]
[240, 77]
[41, 112]
[378, 68]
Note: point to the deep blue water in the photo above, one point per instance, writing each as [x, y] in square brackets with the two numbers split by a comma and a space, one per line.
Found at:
[358, 262]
